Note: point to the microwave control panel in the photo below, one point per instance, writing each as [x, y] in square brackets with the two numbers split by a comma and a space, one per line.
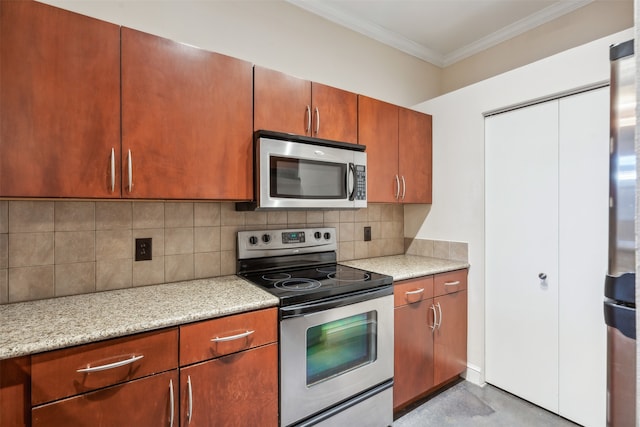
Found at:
[361, 183]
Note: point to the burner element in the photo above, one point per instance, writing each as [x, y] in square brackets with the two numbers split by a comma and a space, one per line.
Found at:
[327, 270]
[298, 284]
[276, 277]
[348, 276]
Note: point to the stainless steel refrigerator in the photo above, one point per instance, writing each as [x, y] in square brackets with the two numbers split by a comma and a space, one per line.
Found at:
[619, 304]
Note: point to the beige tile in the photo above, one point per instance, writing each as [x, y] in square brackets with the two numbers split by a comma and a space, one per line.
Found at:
[206, 214]
[459, 251]
[387, 247]
[346, 251]
[30, 216]
[4, 286]
[75, 246]
[148, 272]
[361, 215]
[207, 264]
[74, 279]
[346, 232]
[157, 241]
[397, 229]
[227, 263]
[424, 247]
[296, 217]
[347, 216]
[229, 237]
[178, 214]
[315, 217]
[374, 212]
[148, 215]
[4, 251]
[75, 216]
[178, 241]
[114, 215]
[113, 274]
[206, 239]
[229, 215]
[397, 245]
[178, 267]
[277, 217]
[407, 246]
[255, 218]
[113, 244]
[386, 212]
[441, 249]
[376, 230]
[31, 283]
[331, 217]
[375, 248]
[360, 250]
[386, 230]
[4, 216]
[398, 212]
[30, 249]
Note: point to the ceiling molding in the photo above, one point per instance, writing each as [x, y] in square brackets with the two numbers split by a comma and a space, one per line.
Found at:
[390, 38]
[519, 27]
[370, 30]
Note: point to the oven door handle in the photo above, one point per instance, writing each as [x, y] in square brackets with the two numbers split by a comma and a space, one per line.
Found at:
[299, 310]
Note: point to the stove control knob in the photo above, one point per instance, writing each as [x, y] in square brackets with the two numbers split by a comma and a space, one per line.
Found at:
[266, 238]
[327, 236]
[253, 240]
[317, 235]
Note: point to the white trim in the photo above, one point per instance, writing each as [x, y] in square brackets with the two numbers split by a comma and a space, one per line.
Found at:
[474, 375]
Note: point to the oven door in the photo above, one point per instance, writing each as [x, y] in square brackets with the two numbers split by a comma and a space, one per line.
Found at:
[329, 356]
[298, 175]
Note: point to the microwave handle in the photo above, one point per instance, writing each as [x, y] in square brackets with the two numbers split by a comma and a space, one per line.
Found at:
[351, 179]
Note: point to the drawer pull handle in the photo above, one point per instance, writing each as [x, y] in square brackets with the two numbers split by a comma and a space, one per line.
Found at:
[190, 403]
[232, 337]
[417, 291]
[456, 283]
[171, 402]
[110, 365]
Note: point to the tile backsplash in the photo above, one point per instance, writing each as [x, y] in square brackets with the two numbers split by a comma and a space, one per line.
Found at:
[57, 248]
[456, 251]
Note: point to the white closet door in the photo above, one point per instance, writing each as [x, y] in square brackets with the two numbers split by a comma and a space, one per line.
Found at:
[521, 208]
[584, 202]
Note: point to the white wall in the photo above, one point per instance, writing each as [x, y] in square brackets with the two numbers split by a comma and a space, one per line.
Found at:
[457, 212]
[280, 36]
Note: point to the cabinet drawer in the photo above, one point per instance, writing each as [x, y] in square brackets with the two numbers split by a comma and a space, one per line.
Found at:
[217, 337]
[62, 373]
[452, 281]
[412, 290]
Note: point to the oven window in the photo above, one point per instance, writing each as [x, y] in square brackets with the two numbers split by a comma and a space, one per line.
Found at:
[307, 179]
[340, 346]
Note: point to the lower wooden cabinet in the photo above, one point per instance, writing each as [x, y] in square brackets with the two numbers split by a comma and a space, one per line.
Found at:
[430, 334]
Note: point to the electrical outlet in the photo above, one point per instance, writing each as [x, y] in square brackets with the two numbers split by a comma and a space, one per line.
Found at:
[367, 234]
[143, 249]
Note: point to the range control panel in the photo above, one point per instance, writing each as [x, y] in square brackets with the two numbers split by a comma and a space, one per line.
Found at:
[261, 243]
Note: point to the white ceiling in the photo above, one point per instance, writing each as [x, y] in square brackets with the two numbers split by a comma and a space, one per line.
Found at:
[441, 32]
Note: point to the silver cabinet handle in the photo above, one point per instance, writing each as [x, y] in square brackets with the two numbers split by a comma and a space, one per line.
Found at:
[435, 318]
[110, 365]
[456, 283]
[440, 312]
[404, 187]
[190, 403]
[317, 121]
[130, 171]
[171, 403]
[232, 337]
[417, 291]
[397, 194]
[113, 169]
[308, 128]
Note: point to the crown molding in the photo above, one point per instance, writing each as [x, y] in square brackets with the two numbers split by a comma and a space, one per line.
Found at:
[410, 47]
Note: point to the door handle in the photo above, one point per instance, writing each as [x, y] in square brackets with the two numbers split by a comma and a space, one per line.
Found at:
[397, 193]
[542, 276]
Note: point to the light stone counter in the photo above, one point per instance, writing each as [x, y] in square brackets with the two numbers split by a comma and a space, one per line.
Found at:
[36, 326]
[403, 267]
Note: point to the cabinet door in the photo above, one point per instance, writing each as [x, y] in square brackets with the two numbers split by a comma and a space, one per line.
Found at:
[240, 389]
[378, 130]
[60, 103]
[15, 399]
[186, 120]
[145, 402]
[414, 154]
[282, 103]
[413, 352]
[335, 113]
[450, 336]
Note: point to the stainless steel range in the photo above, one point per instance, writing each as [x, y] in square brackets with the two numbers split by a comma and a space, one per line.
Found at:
[336, 328]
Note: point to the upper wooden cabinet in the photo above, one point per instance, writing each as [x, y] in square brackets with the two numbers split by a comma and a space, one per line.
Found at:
[399, 148]
[284, 103]
[186, 121]
[60, 103]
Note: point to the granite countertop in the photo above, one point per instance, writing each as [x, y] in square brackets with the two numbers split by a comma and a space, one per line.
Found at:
[402, 267]
[36, 326]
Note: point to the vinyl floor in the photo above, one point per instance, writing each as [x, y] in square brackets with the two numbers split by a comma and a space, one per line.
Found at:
[468, 405]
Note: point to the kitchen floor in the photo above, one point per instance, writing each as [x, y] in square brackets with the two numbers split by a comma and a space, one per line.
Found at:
[468, 405]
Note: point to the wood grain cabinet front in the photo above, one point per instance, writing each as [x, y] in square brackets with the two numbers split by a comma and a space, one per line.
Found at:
[284, 103]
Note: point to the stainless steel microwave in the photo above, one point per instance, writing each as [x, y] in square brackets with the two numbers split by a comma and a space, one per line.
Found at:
[298, 172]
